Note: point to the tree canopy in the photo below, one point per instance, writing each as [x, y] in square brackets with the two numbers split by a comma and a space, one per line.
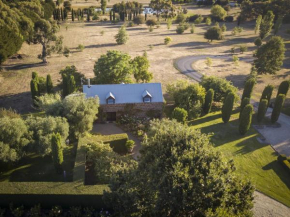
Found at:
[270, 56]
[179, 174]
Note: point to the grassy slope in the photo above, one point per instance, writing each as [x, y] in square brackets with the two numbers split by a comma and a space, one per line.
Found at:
[253, 160]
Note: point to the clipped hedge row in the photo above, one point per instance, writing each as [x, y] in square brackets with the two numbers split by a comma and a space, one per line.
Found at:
[116, 141]
[284, 161]
[49, 194]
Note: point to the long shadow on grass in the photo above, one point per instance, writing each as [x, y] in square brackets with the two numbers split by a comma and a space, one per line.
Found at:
[23, 66]
[280, 171]
[101, 45]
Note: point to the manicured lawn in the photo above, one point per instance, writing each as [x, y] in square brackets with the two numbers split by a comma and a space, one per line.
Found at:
[35, 168]
[253, 160]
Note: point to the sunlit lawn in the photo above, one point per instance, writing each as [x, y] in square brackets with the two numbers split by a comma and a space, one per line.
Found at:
[253, 160]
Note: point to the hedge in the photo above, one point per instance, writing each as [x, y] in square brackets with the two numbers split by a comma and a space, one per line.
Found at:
[228, 107]
[263, 106]
[279, 102]
[267, 93]
[208, 101]
[47, 194]
[283, 88]
[249, 86]
[245, 102]
[116, 141]
[246, 119]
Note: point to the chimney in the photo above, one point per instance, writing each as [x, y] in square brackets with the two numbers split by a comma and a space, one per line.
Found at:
[89, 83]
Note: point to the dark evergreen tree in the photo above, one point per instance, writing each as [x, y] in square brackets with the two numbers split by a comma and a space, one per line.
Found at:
[72, 15]
[267, 93]
[279, 102]
[246, 119]
[249, 86]
[34, 89]
[88, 16]
[245, 101]
[263, 105]
[228, 107]
[57, 154]
[49, 85]
[283, 88]
[208, 101]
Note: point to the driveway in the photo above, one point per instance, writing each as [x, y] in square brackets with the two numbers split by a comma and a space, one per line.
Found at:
[279, 137]
[112, 128]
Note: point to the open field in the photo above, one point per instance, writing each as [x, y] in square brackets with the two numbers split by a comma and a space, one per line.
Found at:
[14, 80]
[253, 160]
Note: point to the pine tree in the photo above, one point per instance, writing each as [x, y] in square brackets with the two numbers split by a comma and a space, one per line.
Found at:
[88, 16]
[246, 119]
[103, 6]
[228, 107]
[111, 15]
[258, 24]
[122, 36]
[279, 102]
[57, 154]
[49, 85]
[208, 101]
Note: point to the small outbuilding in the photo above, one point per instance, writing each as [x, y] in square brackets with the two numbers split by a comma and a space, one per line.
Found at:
[141, 100]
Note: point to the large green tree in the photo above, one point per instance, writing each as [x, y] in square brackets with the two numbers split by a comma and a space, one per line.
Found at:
[218, 12]
[270, 56]
[14, 137]
[141, 69]
[214, 33]
[179, 174]
[42, 129]
[113, 68]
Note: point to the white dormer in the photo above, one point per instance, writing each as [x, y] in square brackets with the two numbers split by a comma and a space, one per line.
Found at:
[110, 98]
[147, 97]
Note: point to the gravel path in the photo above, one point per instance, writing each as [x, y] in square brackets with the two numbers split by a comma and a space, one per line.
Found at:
[278, 138]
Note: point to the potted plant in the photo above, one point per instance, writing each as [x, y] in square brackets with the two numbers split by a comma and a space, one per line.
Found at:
[130, 145]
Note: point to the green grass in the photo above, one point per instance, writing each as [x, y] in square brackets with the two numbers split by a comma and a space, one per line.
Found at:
[253, 160]
[37, 168]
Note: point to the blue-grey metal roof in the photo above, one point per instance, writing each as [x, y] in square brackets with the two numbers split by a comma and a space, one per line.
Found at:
[125, 93]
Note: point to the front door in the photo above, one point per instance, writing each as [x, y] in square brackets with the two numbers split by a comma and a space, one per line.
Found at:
[111, 116]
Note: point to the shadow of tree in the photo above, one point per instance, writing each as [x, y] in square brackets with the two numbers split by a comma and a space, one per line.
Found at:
[281, 172]
[23, 66]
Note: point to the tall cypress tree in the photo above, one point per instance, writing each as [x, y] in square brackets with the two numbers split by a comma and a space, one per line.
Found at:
[228, 107]
[57, 154]
[61, 14]
[279, 102]
[34, 89]
[249, 86]
[208, 101]
[49, 85]
[283, 88]
[246, 119]
[71, 84]
[267, 93]
[88, 16]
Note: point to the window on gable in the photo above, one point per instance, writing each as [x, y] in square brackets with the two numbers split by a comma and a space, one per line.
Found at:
[147, 99]
[110, 101]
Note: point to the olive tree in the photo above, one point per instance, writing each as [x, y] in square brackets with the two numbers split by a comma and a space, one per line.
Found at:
[177, 158]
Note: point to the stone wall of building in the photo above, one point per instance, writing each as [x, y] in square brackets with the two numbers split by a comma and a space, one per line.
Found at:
[135, 109]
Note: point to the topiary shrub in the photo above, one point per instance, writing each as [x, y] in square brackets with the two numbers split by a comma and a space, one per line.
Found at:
[181, 28]
[246, 119]
[283, 88]
[267, 93]
[245, 101]
[139, 20]
[151, 22]
[130, 145]
[180, 18]
[179, 114]
[167, 40]
[263, 106]
[208, 101]
[228, 107]
[279, 102]
[214, 33]
[249, 86]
